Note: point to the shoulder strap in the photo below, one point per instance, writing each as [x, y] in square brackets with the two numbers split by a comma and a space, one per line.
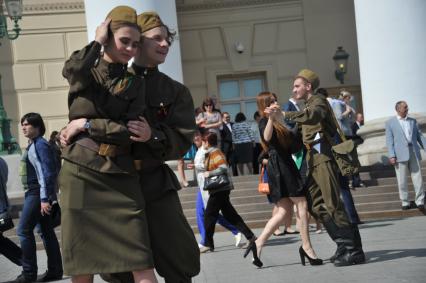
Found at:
[339, 130]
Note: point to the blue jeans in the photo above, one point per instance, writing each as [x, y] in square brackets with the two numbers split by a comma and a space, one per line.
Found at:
[356, 180]
[4, 202]
[348, 201]
[200, 209]
[30, 217]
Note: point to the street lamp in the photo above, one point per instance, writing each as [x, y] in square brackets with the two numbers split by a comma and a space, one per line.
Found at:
[8, 144]
[14, 10]
[341, 60]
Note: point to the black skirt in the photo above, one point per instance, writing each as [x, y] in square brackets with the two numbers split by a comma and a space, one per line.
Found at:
[283, 177]
[244, 152]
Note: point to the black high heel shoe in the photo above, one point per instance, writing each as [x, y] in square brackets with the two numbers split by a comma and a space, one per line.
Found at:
[252, 247]
[312, 261]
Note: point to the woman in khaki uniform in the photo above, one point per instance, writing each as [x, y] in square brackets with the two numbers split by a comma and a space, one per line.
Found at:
[103, 210]
[170, 124]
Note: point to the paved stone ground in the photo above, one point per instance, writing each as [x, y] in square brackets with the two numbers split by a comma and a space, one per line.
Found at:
[396, 252]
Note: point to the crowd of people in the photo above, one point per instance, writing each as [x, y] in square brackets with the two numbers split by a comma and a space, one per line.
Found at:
[121, 216]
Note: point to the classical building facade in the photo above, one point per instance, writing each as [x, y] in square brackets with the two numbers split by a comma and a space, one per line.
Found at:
[230, 50]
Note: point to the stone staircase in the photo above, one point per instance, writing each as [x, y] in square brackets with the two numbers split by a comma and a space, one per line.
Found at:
[379, 200]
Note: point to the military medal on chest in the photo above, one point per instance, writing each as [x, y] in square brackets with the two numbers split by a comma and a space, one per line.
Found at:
[162, 111]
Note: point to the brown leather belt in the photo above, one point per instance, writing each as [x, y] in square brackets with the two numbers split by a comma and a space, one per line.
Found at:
[311, 145]
[147, 164]
[104, 149]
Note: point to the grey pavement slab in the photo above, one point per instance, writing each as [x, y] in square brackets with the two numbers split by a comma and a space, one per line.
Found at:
[395, 250]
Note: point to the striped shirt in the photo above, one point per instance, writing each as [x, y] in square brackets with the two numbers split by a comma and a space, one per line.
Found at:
[242, 133]
[215, 160]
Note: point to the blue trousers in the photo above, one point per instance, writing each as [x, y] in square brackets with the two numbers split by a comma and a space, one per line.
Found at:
[199, 210]
[348, 201]
[30, 217]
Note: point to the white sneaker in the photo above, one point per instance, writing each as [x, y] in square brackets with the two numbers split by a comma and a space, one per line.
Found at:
[200, 246]
[238, 239]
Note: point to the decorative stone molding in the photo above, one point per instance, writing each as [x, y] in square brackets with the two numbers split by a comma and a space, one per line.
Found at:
[182, 7]
[43, 6]
[374, 151]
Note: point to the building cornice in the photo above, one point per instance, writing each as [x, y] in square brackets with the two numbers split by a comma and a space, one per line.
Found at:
[182, 7]
[64, 6]
[49, 6]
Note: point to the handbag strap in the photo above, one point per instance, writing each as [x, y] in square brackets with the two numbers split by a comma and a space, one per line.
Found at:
[207, 162]
[262, 173]
[3, 188]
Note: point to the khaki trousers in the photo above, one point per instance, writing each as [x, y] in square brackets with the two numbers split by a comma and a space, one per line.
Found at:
[174, 247]
[324, 194]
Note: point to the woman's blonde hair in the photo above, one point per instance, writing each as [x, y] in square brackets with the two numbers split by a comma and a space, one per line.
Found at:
[264, 99]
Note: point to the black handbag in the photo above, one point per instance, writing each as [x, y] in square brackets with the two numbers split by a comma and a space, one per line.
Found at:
[216, 182]
[55, 214]
[6, 222]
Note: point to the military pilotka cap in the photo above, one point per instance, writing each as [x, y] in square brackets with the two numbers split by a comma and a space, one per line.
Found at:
[123, 14]
[149, 20]
[310, 76]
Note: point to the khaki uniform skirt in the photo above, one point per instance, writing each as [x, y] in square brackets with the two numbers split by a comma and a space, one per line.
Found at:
[104, 227]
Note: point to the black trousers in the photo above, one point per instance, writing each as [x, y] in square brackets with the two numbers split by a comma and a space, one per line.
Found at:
[227, 149]
[256, 152]
[10, 250]
[220, 202]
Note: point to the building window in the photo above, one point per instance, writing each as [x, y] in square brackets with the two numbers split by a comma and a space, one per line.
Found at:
[238, 93]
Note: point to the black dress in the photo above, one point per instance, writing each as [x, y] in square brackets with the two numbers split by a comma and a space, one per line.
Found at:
[283, 176]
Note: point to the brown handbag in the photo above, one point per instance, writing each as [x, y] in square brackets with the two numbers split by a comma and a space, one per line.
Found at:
[263, 188]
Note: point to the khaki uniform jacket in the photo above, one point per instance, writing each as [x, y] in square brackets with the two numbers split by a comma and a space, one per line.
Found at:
[317, 117]
[99, 89]
[170, 114]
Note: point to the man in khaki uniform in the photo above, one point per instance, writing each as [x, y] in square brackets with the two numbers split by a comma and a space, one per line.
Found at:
[318, 127]
[170, 115]
[171, 125]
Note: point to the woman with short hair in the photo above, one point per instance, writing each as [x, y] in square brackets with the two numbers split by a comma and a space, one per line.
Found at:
[215, 164]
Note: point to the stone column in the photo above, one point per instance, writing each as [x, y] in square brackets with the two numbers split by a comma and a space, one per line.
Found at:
[96, 10]
[392, 57]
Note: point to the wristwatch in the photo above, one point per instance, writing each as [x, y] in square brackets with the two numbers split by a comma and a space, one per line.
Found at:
[87, 125]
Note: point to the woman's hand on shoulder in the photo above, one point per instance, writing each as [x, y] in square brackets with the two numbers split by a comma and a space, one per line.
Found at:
[206, 174]
[102, 32]
[140, 129]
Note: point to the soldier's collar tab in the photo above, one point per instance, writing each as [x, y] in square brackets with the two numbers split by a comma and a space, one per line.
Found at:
[145, 71]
